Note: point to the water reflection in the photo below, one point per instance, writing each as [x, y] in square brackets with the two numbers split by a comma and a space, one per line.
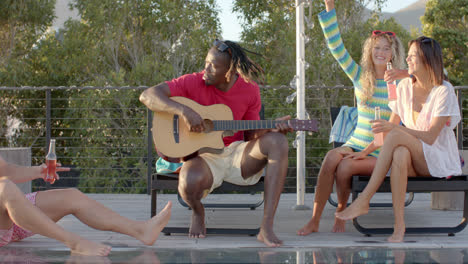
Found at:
[243, 255]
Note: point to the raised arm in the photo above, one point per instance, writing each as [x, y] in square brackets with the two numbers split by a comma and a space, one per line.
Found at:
[331, 31]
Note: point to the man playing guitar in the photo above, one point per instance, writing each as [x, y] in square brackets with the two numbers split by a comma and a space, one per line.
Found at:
[227, 79]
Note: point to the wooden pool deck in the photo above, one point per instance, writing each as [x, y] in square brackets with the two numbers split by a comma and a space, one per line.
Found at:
[287, 222]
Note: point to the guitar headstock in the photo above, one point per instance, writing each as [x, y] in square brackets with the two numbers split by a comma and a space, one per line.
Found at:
[304, 125]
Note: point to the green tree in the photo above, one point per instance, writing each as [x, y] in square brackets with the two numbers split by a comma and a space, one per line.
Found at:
[115, 43]
[446, 22]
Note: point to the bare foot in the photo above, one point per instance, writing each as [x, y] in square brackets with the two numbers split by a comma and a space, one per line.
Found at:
[152, 228]
[310, 227]
[398, 235]
[197, 226]
[339, 226]
[89, 248]
[357, 208]
[269, 238]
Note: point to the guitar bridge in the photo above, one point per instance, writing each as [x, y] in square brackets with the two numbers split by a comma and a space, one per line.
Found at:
[175, 126]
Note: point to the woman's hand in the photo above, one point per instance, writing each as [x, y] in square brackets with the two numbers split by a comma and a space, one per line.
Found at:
[355, 155]
[329, 5]
[395, 74]
[381, 125]
[43, 170]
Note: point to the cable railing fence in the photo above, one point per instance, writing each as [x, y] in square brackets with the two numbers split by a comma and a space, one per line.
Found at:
[104, 133]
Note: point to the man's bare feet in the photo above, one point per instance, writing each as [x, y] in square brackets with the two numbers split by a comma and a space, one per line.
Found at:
[310, 227]
[89, 248]
[339, 226]
[152, 228]
[269, 238]
[197, 226]
[357, 208]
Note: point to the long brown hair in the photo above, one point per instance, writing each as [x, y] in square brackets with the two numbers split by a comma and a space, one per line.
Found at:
[430, 53]
[367, 63]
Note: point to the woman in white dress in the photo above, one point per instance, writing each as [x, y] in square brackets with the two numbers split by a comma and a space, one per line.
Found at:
[426, 146]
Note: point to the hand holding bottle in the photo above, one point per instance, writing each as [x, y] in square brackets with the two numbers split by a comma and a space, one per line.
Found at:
[391, 86]
[378, 137]
[51, 166]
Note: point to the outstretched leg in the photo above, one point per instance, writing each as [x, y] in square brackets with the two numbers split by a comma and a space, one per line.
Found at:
[195, 179]
[274, 148]
[395, 138]
[19, 210]
[59, 203]
[324, 187]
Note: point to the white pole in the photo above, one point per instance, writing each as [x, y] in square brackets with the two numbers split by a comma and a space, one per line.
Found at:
[300, 86]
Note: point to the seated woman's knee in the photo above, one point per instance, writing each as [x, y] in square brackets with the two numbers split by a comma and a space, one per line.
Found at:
[401, 155]
[333, 157]
[6, 186]
[394, 136]
[346, 166]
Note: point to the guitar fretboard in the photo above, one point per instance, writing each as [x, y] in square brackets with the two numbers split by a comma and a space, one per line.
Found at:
[222, 125]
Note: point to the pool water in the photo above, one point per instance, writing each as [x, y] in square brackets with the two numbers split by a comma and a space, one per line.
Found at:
[242, 255]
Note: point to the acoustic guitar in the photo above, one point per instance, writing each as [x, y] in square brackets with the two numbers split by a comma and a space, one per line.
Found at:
[173, 138]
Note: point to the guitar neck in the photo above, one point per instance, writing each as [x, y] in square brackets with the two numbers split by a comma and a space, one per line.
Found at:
[236, 125]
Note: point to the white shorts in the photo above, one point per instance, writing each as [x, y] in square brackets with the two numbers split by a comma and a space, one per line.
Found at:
[226, 166]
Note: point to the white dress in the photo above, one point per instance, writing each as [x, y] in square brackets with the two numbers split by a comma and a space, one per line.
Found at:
[442, 156]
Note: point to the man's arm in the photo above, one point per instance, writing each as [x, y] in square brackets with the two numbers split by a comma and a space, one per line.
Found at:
[157, 98]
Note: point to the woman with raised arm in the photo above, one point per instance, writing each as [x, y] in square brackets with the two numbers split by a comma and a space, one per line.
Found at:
[358, 154]
[426, 146]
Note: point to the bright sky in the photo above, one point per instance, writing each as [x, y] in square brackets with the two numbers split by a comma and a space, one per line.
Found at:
[231, 25]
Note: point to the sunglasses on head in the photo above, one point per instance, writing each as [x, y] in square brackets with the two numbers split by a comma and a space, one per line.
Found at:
[378, 33]
[221, 46]
[426, 40]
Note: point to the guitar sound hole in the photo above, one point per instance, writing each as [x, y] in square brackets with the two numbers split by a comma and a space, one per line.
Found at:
[208, 125]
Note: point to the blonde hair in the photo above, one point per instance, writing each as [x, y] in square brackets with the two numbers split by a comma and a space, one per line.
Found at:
[367, 64]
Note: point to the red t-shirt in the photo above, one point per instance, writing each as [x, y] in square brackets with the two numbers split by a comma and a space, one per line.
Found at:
[243, 98]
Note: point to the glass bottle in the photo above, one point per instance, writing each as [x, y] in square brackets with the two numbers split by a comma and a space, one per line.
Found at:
[51, 162]
[378, 137]
[391, 86]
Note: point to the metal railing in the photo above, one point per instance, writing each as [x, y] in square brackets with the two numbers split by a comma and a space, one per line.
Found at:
[104, 133]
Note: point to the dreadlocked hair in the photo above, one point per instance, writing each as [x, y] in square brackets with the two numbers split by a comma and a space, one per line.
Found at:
[242, 64]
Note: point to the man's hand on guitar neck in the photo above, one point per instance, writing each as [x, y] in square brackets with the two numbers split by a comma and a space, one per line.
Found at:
[193, 120]
[283, 127]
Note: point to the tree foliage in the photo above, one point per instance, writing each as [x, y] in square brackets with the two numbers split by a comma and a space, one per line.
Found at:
[115, 43]
[446, 22]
